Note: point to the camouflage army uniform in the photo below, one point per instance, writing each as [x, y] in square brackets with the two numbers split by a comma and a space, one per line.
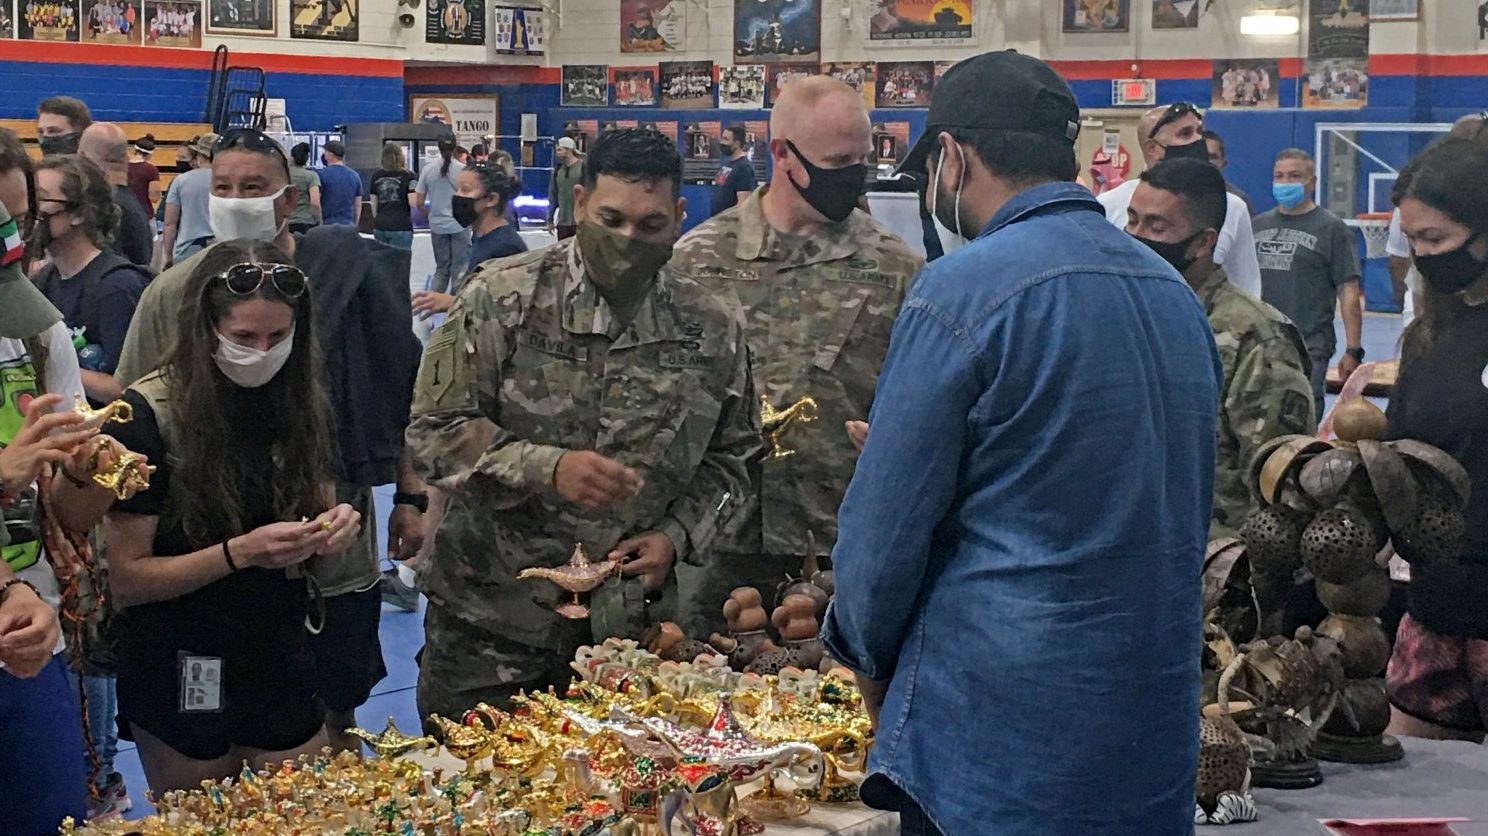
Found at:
[1266, 391]
[818, 312]
[531, 363]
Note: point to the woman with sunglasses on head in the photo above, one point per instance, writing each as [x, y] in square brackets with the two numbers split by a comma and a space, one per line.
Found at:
[209, 563]
[483, 193]
[1438, 676]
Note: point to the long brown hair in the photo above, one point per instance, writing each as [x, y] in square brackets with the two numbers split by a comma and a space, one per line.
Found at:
[1442, 177]
[301, 459]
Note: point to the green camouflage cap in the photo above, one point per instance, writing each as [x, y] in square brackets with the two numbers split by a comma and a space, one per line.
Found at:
[24, 311]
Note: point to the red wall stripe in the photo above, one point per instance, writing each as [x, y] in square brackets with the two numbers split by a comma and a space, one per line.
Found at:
[1405, 64]
[194, 59]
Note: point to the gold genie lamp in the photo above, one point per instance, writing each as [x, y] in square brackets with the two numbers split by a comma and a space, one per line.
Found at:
[578, 575]
[390, 742]
[775, 422]
[118, 411]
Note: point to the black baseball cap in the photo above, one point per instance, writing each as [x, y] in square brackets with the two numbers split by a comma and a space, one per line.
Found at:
[998, 91]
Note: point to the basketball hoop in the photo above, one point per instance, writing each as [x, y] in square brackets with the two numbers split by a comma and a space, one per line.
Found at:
[1375, 227]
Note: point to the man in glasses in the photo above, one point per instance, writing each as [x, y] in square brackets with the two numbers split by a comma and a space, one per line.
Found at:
[820, 283]
[1177, 131]
[365, 325]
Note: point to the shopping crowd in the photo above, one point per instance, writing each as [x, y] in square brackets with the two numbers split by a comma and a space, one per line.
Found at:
[1019, 453]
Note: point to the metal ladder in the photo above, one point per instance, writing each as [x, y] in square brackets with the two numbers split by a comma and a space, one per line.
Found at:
[235, 95]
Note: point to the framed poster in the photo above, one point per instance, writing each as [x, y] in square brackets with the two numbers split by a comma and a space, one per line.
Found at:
[170, 23]
[700, 153]
[904, 83]
[111, 21]
[777, 30]
[1097, 15]
[7, 20]
[687, 84]
[324, 20]
[517, 31]
[1336, 83]
[1338, 29]
[858, 75]
[741, 87]
[635, 87]
[891, 142]
[585, 85]
[469, 117]
[653, 25]
[455, 22]
[1395, 9]
[258, 18]
[51, 21]
[1482, 22]
[920, 22]
[780, 74]
[1175, 14]
[1249, 84]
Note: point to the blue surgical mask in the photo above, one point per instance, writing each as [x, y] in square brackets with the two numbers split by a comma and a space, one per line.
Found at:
[1288, 194]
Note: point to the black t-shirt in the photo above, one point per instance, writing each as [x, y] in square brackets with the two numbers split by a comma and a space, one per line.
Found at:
[135, 239]
[391, 189]
[1441, 398]
[118, 295]
[735, 176]
[500, 242]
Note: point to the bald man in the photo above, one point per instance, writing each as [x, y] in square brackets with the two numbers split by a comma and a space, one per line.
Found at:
[820, 283]
[1177, 130]
[106, 145]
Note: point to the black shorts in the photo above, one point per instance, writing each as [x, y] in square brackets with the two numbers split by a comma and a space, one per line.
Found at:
[268, 699]
[348, 651]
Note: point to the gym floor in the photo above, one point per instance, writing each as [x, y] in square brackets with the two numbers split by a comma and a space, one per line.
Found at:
[403, 633]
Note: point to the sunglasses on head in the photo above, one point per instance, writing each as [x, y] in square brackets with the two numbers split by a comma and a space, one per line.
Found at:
[245, 279]
[1175, 111]
[250, 139]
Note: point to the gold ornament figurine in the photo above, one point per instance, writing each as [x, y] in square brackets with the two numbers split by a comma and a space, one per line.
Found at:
[127, 476]
[118, 411]
[776, 421]
[578, 575]
[390, 742]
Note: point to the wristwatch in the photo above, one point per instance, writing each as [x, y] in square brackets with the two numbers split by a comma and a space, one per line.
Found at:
[417, 500]
[1356, 353]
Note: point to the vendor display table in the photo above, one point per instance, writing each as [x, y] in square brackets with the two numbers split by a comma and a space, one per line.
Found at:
[1381, 381]
[833, 819]
[1437, 778]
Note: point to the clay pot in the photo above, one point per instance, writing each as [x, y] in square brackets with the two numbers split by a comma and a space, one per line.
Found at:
[1365, 647]
[1364, 597]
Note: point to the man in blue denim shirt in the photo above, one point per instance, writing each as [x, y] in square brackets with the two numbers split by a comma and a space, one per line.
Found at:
[1018, 565]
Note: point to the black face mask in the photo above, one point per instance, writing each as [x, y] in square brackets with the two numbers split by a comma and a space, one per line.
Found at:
[463, 208]
[1196, 150]
[726, 149]
[54, 144]
[1175, 252]
[1454, 270]
[834, 192]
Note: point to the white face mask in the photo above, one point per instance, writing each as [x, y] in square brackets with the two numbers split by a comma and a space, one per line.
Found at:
[251, 368]
[950, 240]
[244, 217]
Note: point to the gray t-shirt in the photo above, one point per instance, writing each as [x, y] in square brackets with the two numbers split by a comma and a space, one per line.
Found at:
[303, 179]
[439, 191]
[190, 192]
[1304, 260]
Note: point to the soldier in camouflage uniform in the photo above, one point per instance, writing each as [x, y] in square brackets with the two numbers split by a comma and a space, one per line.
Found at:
[583, 393]
[1177, 210]
[820, 283]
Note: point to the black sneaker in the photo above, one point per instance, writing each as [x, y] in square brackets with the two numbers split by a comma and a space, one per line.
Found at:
[396, 593]
[113, 800]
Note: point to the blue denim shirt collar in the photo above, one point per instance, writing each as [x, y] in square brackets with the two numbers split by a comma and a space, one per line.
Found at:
[1039, 198]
